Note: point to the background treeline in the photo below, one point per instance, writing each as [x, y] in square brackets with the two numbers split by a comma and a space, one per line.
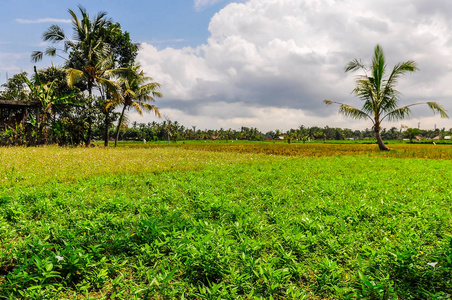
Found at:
[174, 131]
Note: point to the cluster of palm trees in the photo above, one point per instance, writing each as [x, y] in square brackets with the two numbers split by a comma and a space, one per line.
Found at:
[92, 65]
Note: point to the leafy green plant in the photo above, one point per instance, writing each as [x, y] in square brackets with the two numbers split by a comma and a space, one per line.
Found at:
[45, 95]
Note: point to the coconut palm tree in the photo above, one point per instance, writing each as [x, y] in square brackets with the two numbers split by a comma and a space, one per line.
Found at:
[136, 91]
[378, 92]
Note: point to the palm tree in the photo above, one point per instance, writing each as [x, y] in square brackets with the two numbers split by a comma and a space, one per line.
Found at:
[379, 94]
[89, 54]
[136, 91]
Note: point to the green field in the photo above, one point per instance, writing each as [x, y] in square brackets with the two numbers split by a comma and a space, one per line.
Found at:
[226, 221]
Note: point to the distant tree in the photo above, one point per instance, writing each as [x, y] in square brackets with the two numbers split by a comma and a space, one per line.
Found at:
[15, 88]
[411, 133]
[379, 94]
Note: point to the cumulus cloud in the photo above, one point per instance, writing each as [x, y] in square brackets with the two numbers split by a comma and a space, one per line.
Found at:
[45, 20]
[270, 63]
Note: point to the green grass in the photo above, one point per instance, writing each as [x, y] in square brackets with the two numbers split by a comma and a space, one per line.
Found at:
[171, 223]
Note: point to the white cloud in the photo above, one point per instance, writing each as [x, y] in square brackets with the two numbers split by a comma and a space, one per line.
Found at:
[45, 20]
[200, 4]
[270, 63]
[236, 115]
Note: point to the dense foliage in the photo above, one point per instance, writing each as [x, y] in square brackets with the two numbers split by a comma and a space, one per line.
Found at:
[98, 58]
[174, 131]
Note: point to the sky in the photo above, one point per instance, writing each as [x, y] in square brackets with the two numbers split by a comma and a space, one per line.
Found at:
[267, 64]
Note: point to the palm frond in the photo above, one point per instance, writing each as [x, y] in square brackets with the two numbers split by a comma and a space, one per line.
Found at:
[51, 51]
[398, 70]
[74, 76]
[76, 26]
[36, 56]
[54, 34]
[398, 114]
[378, 67]
[438, 108]
[111, 86]
[349, 111]
[150, 107]
[354, 65]
[112, 104]
[365, 89]
[389, 105]
[352, 112]
[137, 107]
[119, 72]
[157, 94]
[405, 112]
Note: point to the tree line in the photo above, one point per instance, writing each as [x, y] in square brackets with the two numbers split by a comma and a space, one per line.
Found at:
[173, 131]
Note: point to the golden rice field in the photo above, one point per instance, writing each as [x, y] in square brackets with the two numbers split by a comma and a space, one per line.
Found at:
[35, 165]
[426, 151]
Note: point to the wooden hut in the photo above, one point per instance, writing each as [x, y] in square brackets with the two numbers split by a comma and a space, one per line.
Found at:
[13, 112]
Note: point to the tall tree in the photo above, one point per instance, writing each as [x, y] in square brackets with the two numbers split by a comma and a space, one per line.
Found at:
[121, 46]
[137, 92]
[378, 92]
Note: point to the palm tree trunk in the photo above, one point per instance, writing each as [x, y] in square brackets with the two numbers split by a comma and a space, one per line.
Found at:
[107, 123]
[119, 125]
[380, 143]
[90, 111]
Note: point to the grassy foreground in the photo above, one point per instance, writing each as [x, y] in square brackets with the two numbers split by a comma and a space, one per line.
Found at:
[170, 223]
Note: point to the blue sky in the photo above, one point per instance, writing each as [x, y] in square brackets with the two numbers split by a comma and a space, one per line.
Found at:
[163, 23]
[259, 63]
